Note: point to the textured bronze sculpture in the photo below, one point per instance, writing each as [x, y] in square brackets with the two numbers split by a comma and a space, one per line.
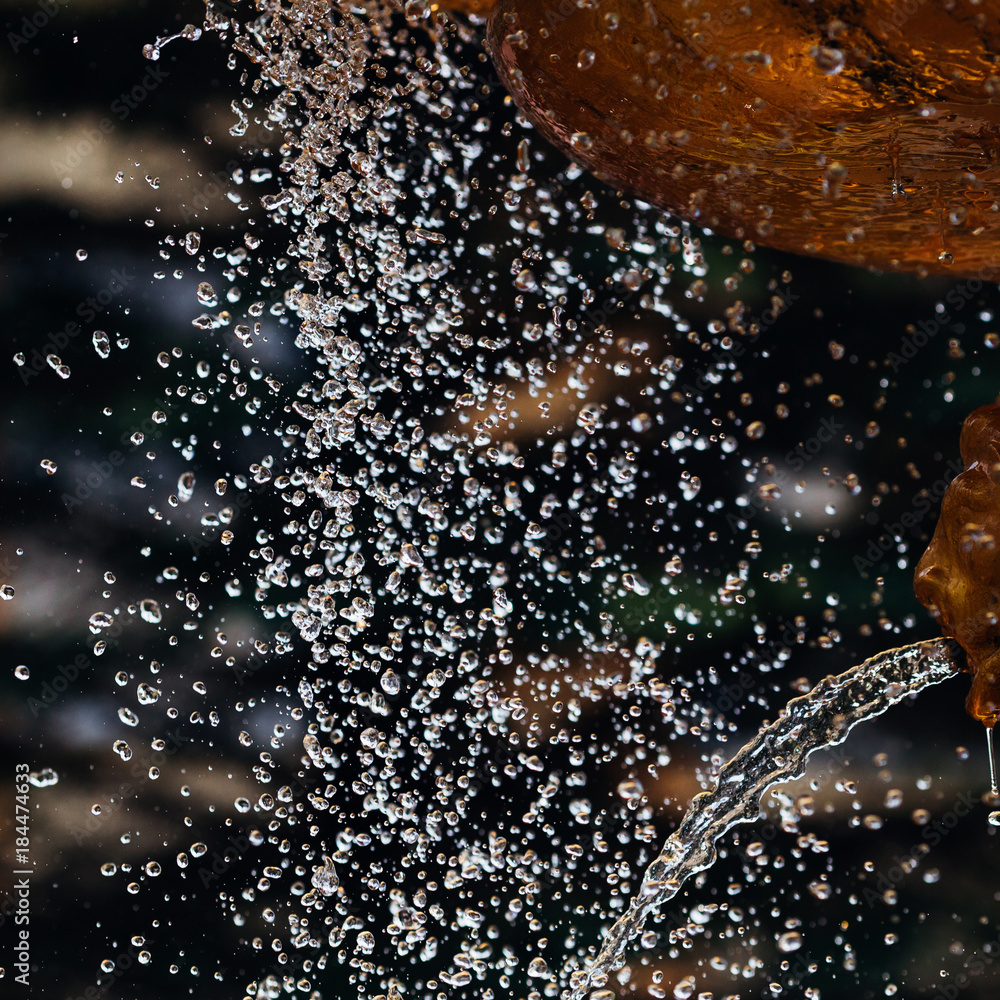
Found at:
[865, 133]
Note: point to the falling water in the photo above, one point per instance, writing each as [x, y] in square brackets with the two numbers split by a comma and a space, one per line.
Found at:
[822, 718]
[517, 535]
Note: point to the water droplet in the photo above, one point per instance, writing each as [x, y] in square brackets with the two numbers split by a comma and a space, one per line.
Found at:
[537, 969]
[324, 878]
[828, 60]
[630, 790]
[100, 620]
[150, 611]
[147, 694]
[791, 941]
[128, 716]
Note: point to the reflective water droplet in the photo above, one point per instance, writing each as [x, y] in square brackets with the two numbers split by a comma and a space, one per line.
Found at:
[630, 790]
[100, 620]
[324, 879]
[821, 890]
[537, 969]
[150, 611]
[791, 941]
[147, 694]
[128, 716]
[828, 60]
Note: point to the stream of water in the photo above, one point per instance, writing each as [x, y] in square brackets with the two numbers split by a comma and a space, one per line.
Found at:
[822, 718]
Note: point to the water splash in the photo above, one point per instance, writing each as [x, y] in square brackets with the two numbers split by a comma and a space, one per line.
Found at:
[822, 718]
[461, 641]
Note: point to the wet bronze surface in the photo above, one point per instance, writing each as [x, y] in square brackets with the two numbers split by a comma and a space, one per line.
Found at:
[867, 133]
[958, 577]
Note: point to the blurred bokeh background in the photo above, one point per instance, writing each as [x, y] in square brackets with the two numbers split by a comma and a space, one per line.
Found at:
[831, 375]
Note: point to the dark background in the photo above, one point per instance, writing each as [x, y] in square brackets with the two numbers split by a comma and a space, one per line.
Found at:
[58, 85]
